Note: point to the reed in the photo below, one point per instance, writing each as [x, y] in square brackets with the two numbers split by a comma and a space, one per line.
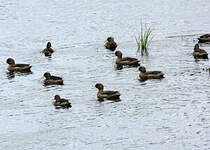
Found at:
[143, 39]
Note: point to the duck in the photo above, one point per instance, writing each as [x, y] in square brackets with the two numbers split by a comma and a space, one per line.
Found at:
[110, 44]
[199, 53]
[17, 67]
[50, 80]
[204, 38]
[144, 75]
[125, 61]
[61, 102]
[109, 95]
[48, 50]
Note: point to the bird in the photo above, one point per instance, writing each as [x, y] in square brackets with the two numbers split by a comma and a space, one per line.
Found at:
[199, 53]
[109, 95]
[204, 38]
[50, 80]
[144, 75]
[48, 50]
[125, 61]
[110, 44]
[61, 102]
[17, 67]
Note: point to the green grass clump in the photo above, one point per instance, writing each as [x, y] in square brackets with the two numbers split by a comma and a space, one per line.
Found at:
[143, 39]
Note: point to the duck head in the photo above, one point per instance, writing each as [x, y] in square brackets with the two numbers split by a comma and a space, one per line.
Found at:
[118, 54]
[57, 97]
[49, 45]
[47, 75]
[196, 48]
[99, 86]
[10, 61]
[142, 69]
[110, 39]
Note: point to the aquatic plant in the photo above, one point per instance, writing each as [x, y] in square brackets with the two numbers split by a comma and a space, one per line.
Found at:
[143, 39]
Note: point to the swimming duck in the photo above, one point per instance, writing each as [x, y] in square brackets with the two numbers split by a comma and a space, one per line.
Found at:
[144, 75]
[204, 38]
[110, 44]
[17, 67]
[110, 95]
[48, 50]
[61, 102]
[125, 61]
[199, 53]
[50, 80]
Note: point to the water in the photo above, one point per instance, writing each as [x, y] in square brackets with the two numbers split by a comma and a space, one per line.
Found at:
[173, 113]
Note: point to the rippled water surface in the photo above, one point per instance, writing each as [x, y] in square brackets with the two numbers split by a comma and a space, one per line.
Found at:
[173, 113]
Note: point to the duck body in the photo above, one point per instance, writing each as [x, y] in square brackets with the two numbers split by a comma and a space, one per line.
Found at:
[199, 53]
[110, 44]
[48, 50]
[52, 80]
[61, 102]
[109, 95]
[204, 38]
[17, 67]
[125, 61]
[145, 75]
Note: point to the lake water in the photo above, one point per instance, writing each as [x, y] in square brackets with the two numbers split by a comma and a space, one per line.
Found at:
[173, 113]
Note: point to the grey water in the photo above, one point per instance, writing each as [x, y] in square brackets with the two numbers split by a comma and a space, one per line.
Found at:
[173, 113]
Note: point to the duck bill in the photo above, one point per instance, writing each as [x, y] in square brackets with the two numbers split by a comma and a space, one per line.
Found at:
[94, 87]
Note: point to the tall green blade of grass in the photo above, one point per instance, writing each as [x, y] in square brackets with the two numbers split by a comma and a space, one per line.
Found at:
[143, 39]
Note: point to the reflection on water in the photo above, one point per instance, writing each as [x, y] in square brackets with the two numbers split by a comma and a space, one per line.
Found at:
[11, 74]
[172, 113]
